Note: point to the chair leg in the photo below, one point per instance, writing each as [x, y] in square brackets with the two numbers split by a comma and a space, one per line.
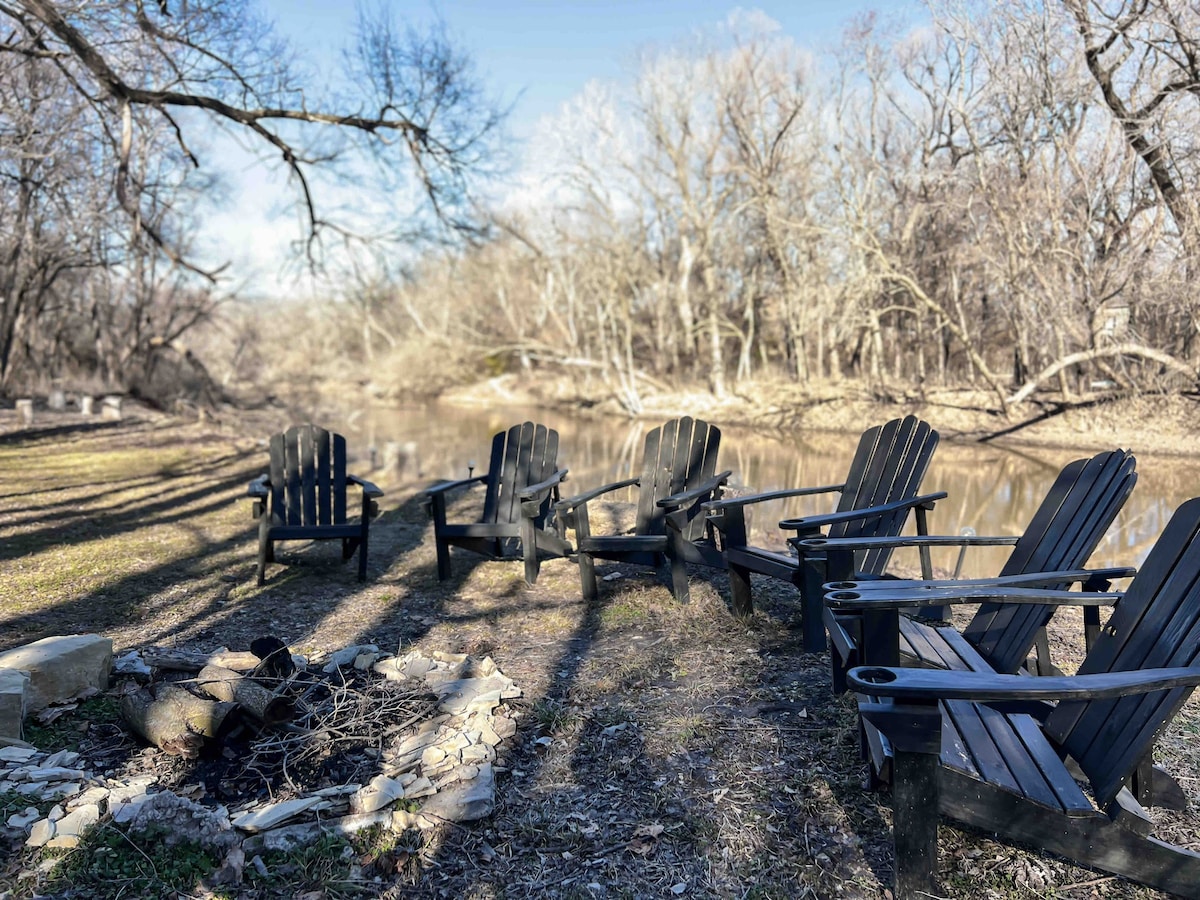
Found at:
[266, 548]
[739, 591]
[679, 580]
[587, 577]
[529, 550]
[915, 821]
[812, 601]
[443, 560]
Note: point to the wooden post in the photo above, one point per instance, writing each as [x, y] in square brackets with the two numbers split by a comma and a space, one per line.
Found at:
[85, 406]
[57, 400]
[25, 411]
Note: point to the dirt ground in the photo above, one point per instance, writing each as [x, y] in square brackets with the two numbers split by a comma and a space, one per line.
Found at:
[662, 750]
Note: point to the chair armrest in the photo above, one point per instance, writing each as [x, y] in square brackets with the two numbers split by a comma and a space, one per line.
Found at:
[368, 489]
[683, 499]
[922, 597]
[716, 506]
[531, 492]
[853, 515]
[579, 499]
[443, 486]
[932, 684]
[898, 541]
[259, 488]
[1066, 576]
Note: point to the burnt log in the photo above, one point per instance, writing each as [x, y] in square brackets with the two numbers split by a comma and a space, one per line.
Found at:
[176, 720]
[232, 687]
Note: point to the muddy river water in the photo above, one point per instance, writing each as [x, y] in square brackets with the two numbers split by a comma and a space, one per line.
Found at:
[993, 489]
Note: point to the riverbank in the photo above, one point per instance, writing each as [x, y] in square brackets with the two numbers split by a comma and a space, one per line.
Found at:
[1147, 423]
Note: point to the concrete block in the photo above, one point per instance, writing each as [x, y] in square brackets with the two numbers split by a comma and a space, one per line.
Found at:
[13, 688]
[61, 667]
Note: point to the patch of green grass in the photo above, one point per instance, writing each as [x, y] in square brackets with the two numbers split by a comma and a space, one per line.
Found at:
[554, 716]
[109, 863]
[65, 732]
[622, 614]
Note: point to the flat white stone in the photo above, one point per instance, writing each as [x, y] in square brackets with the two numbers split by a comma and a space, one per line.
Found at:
[347, 656]
[269, 816]
[53, 773]
[95, 795]
[61, 758]
[421, 787]
[381, 792]
[18, 754]
[464, 801]
[25, 819]
[78, 820]
[41, 832]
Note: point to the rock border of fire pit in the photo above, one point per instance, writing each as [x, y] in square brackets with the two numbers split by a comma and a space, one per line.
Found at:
[439, 770]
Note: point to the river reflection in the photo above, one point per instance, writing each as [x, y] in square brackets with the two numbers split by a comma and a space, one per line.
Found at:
[991, 488]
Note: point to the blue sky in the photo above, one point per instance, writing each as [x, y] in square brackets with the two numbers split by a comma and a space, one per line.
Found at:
[539, 53]
[533, 54]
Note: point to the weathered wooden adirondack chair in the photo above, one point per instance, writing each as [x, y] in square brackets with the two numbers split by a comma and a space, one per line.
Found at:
[1052, 552]
[303, 496]
[679, 464]
[961, 746]
[521, 482]
[879, 492]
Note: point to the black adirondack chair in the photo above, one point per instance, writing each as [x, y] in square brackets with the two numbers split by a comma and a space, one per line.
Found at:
[1052, 552]
[961, 748]
[679, 464]
[521, 482]
[303, 496]
[879, 492]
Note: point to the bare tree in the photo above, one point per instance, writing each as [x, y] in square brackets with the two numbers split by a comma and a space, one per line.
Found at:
[137, 65]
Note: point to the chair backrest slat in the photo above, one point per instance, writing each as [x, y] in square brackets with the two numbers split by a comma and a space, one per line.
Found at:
[679, 455]
[523, 455]
[292, 474]
[889, 464]
[660, 442]
[1063, 532]
[308, 476]
[337, 475]
[323, 447]
[495, 471]
[1157, 623]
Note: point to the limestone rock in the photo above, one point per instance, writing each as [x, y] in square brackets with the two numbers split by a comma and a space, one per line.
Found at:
[185, 820]
[273, 814]
[381, 792]
[40, 834]
[347, 656]
[14, 691]
[464, 801]
[61, 667]
[25, 819]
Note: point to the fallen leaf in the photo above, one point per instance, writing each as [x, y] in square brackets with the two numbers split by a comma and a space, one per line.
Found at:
[653, 830]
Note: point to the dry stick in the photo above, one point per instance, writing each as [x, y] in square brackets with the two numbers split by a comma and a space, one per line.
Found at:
[226, 684]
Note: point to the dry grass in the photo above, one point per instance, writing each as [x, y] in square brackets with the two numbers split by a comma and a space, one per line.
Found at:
[662, 750]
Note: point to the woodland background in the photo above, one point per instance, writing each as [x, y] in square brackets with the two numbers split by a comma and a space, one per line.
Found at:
[1000, 196]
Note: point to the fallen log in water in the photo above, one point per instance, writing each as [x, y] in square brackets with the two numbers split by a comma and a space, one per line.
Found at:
[176, 720]
[262, 703]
